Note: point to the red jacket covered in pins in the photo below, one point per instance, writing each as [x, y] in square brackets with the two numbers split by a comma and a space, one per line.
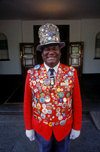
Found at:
[56, 109]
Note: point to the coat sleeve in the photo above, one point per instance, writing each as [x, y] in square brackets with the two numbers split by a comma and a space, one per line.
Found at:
[28, 104]
[77, 106]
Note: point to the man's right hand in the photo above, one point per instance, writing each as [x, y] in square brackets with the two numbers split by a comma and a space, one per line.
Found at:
[30, 134]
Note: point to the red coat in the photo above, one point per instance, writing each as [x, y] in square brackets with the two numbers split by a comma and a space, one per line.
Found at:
[57, 109]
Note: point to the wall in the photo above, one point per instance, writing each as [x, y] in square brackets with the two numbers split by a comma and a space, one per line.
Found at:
[12, 29]
[89, 29]
[27, 28]
[22, 31]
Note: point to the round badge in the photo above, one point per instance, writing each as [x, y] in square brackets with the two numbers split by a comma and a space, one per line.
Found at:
[64, 114]
[61, 94]
[45, 75]
[34, 82]
[43, 115]
[68, 89]
[62, 122]
[56, 102]
[53, 117]
[50, 124]
[61, 89]
[54, 108]
[39, 118]
[57, 123]
[48, 87]
[58, 109]
[39, 112]
[49, 111]
[37, 80]
[44, 105]
[64, 105]
[44, 88]
[60, 100]
[39, 87]
[60, 117]
[38, 105]
[45, 121]
[58, 114]
[46, 81]
[65, 90]
[60, 104]
[35, 100]
[35, 90]
[67, 94]
[42, 100]
[66, 75]
[41, 81]
[38, 95]
[70, 73]
[36, 74]
[36, 67]
[33, 104]
[70, 81]
[58, 89]
[63, 110]
[47, 98]
[45, 111]
[53, 123]
[49, 106]
[42, 94]
[64, 99]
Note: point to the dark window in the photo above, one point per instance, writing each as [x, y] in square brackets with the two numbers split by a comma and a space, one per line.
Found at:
[97, 46]
[3, 47]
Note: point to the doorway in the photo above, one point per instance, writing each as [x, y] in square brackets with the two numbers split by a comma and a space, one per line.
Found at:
[64, 36]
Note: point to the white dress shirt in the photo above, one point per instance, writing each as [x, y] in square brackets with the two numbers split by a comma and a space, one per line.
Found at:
[55, 69]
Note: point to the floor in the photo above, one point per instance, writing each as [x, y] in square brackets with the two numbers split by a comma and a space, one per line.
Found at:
[12, 130]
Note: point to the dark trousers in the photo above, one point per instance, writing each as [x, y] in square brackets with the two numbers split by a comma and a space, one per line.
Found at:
[53, 145]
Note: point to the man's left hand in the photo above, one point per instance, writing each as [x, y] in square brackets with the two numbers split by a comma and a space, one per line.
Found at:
[74, 134]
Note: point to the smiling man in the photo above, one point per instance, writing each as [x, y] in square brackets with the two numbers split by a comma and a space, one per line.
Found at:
[52, 101]
[51, 55]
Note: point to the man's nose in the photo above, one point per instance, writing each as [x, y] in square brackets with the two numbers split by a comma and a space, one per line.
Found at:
[51, 51]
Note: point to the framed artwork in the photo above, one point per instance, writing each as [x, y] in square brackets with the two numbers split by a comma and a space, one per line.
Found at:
[76, 55]
[28, 56]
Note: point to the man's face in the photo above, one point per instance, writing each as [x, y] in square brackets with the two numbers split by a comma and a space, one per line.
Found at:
[51, 55]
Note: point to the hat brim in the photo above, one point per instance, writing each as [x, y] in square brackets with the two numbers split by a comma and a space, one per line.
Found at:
[39, 47]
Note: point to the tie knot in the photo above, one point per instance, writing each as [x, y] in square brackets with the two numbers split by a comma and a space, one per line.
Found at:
[51, 71]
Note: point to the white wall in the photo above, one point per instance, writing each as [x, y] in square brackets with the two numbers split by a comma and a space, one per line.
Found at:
[12, 29]
[27, 28]
[89, 29]
[22, 31]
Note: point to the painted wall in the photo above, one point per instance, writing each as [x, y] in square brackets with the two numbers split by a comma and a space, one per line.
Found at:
[12, 29]
[89, 29]
[22, 31]
[27, 27]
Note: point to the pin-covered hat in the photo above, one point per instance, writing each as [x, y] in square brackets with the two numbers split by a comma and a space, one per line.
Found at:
[49, 34]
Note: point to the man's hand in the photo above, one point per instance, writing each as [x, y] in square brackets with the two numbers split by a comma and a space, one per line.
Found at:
[74, 134]
[30, 134]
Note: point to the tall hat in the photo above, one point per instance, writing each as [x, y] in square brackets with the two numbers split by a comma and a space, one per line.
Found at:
[49, 34]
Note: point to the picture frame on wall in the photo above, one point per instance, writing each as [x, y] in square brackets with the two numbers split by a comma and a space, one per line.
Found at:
[76, 55]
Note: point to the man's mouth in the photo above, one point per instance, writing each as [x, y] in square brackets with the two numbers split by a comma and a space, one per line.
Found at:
[51, 57]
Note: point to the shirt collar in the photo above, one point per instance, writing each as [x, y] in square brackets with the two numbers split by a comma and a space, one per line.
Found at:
[55, 68]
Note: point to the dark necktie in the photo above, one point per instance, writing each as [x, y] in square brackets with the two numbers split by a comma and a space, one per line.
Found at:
[52, 79]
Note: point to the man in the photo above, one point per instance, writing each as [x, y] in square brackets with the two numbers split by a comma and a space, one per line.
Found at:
[52, 101]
